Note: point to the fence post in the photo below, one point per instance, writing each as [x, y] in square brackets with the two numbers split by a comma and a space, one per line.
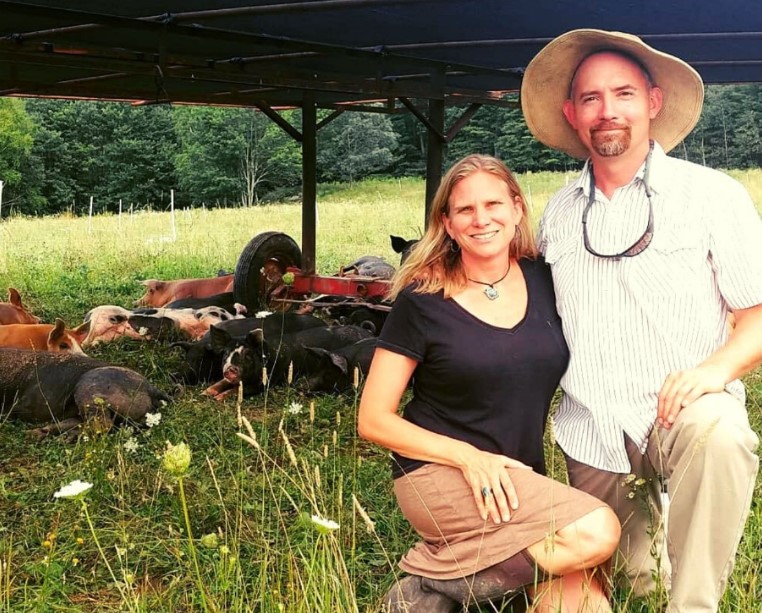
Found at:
[172, 212]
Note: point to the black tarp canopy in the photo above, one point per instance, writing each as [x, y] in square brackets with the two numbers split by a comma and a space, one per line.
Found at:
[380, 55]
[244, 52]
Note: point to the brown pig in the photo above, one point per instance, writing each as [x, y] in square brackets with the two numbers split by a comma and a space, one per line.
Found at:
[161, 293]
[13, 312]
[44, 337]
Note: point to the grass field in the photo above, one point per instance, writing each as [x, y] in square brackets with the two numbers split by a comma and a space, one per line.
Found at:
[236, 531]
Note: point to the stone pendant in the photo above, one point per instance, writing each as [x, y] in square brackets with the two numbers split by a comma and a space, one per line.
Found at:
[491, 292]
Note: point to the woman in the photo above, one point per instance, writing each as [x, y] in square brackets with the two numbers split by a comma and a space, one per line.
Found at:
[474, 320]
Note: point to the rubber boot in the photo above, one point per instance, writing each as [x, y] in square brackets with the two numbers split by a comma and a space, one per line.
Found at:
[491, 584]
[408, 595]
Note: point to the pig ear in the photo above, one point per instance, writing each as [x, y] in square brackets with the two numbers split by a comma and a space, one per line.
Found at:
[81, 330]
[256, 337]
[146, 282]
[58, 331]
[218, 338]
[340, 362]
[14, 297]
[323, 354]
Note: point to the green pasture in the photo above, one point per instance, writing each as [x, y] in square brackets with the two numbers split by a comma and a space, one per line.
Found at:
[236, 531]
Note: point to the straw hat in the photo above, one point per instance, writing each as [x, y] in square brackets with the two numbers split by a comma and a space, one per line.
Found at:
[547, 79]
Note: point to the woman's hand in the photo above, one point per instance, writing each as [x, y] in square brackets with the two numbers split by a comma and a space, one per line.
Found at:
[487, 474]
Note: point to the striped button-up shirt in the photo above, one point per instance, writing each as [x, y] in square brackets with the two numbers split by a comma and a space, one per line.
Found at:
[629, 322]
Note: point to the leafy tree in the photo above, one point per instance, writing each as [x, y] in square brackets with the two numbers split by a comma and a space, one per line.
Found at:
[356, 145]
[16, 138]
[106, 150]
[410, 154]
[729, 133]
[232, 155]
[479, 135]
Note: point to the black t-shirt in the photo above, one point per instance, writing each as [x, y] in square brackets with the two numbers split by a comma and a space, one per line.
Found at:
[476, 382]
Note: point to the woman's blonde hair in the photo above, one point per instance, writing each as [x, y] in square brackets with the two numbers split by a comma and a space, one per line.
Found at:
[434, 262]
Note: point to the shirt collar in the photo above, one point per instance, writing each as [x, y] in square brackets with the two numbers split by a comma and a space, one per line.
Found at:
[658, 179]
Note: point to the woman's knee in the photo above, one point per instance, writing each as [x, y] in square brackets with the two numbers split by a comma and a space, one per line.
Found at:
[599, 533]
[594, 537]
[588, 542]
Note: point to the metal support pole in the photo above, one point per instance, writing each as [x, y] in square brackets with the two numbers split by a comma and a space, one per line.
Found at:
[435, 152]
[309, 183]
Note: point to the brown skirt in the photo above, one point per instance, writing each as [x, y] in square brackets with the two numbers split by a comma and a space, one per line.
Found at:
[457, 542]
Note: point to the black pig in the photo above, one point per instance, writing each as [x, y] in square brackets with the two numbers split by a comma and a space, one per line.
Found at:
[65, 389]
[335, 370]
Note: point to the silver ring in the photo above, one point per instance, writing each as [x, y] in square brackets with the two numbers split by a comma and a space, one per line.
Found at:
[486, 491]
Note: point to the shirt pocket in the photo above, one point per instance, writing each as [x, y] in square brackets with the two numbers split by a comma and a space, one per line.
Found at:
[676, 263]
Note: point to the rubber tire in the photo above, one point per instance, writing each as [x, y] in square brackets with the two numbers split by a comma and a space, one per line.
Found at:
[250, 286]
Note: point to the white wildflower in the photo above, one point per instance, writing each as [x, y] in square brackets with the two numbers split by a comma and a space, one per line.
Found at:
[262, 314]
[295, 408]
[131, 445]
[176, 459]
[73, 489]
[142, 330]
[153, 419]
[323, 525]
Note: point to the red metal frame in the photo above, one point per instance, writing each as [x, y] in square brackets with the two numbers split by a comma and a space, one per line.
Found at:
[352, 286]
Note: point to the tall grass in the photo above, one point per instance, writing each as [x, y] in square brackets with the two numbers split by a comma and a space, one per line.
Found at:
[249, 526]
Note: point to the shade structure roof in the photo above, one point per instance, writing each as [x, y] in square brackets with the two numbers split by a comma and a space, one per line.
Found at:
[338, 52]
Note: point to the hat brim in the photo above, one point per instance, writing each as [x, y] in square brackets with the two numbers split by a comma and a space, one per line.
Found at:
[545, 87]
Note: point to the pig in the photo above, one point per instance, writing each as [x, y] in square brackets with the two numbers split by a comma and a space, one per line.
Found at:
[162, 323]
[369, 266]
[44, 337]
[335, 369]
[13, 312]
[161, 293]
[243, 361]
[108, 322]
[65, 389]
[402, 246]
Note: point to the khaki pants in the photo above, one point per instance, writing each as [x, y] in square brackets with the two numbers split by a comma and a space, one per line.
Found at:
[708, 463]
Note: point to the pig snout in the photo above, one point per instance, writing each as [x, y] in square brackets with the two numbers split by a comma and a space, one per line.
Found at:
[232, 373]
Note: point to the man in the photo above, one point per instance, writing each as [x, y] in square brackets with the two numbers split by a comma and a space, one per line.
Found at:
[649, 256]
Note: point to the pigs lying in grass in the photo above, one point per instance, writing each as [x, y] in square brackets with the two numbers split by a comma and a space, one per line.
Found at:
[244, 360]
[109, 322]
[203, 359]
[64, 390]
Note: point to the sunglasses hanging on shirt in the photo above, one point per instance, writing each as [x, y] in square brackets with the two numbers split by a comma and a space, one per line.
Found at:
[640, 245]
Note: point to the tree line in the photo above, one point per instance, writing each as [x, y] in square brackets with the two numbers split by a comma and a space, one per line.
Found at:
[57, 154]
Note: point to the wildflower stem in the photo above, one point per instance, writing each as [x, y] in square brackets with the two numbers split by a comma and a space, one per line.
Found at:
[191, 545]
[105, 559]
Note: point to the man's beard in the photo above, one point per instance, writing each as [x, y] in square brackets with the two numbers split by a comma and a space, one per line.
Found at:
[608, 143]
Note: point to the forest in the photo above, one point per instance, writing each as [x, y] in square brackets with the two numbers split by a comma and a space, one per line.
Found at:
[55, 155]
